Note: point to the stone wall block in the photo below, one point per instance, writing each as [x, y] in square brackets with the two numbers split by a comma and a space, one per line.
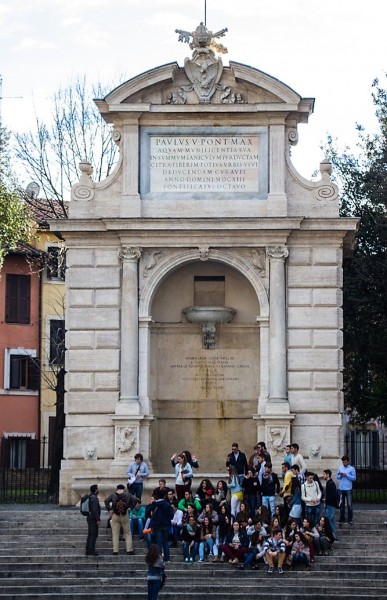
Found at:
[318, 277]
[331, 338]
[300, 297]
[80, 339]
[98, 318]
[316, 317]
[102, 278]
[299, 338]
[79, 381]
[298, 380]
[327, 297]
[91, 402]
[81, 298]
[98, 360]
[314, 401]
[106, 257]
[314, 359]
[326, 256]
[300, 256]
[105, 381]
[107, 297]
[327, 380]
[79, 257]
[107, 339]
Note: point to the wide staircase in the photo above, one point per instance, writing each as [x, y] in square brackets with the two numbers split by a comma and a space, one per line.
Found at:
[42, 556]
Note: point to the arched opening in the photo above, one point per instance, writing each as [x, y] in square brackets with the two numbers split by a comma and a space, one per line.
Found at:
[203, 399]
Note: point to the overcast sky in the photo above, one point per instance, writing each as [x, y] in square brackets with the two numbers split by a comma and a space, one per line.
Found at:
[330, 50]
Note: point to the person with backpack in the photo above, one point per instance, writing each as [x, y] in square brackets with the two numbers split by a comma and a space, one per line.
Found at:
[93, 521]
[118, 504]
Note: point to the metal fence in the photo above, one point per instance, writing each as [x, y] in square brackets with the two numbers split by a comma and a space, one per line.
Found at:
[25, 475]
[367, 452]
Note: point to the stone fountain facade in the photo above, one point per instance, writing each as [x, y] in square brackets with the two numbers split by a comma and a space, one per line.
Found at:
[203, 209]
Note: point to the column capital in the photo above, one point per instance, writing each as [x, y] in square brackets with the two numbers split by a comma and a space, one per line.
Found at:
[277, 252]
[129, 254]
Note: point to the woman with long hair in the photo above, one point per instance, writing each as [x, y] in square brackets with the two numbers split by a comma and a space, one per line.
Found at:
[220, 494]
[207, 539]
[326, 537]
[295, 500]
[156, 573]
[300, 550]
[205, 491]
[223, 528]
[183, 474]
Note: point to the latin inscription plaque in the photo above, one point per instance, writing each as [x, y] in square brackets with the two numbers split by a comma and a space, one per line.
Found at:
[204, 163]
[204, 374]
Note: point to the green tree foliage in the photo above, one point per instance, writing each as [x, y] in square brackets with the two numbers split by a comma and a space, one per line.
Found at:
[16, 224]
[363, 183]
[74, 131]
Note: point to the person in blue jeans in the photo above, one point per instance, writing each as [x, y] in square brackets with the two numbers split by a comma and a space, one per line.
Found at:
[330, 499]
[191, 538]
[156, 571]
[346, 475]
[137, 517]
[162, 515]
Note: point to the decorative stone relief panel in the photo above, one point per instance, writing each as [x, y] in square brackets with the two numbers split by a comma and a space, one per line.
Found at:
[126, 441]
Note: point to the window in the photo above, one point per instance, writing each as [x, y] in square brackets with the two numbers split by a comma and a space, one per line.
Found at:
[56, 263]
[57, 341]
[21, 370]
[17, 300]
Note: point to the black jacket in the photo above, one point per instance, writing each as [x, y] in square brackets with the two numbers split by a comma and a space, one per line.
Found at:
[162, 514]
[94, 508]
[240, 463]
[330, 493]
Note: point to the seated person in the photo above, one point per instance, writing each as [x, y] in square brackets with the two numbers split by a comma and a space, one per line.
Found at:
[170, 497]
[191, 538]
[223, 529]
[220, 494]
[207, 539]
[312, 536]
[275, 551]
[326, 539]
[256, 551]
[290, 530]
[162, 487]
[205, 492]
[236, 544]
[190, 512]
[137, 519]
[243, 516]
[256, 527]
[209, 512]
[189, 500]
[176, 524]
[300, 552]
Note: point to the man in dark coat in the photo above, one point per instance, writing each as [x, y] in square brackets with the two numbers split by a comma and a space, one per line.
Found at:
[93, 521]
[238, 460]
[162, 515]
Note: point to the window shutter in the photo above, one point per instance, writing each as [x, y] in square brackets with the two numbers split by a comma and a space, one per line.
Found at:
[33, 373]
[18, 290]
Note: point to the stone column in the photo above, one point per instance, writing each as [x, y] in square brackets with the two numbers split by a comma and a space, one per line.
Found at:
[128, 403]
[277, 352]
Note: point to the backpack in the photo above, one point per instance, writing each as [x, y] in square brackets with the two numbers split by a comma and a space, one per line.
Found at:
[84, 506]
[120, 507]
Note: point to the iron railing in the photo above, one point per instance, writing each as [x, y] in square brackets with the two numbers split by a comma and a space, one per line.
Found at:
[367, 452]
[25, 475]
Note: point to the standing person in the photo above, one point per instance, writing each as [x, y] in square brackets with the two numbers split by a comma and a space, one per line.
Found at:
[162, 515]
[191, 459]
[297, 458]
[251, 489]
[269, 488]
[118, 505]
[346, 474]
[262, 448]
[287, 457]
[253, 460]
[330, 499]
[236, 491]
[311, 495]
[156, 572]
[93, 521]
[183, 475]
[238, 460]
[286, 491]
[137, 471]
